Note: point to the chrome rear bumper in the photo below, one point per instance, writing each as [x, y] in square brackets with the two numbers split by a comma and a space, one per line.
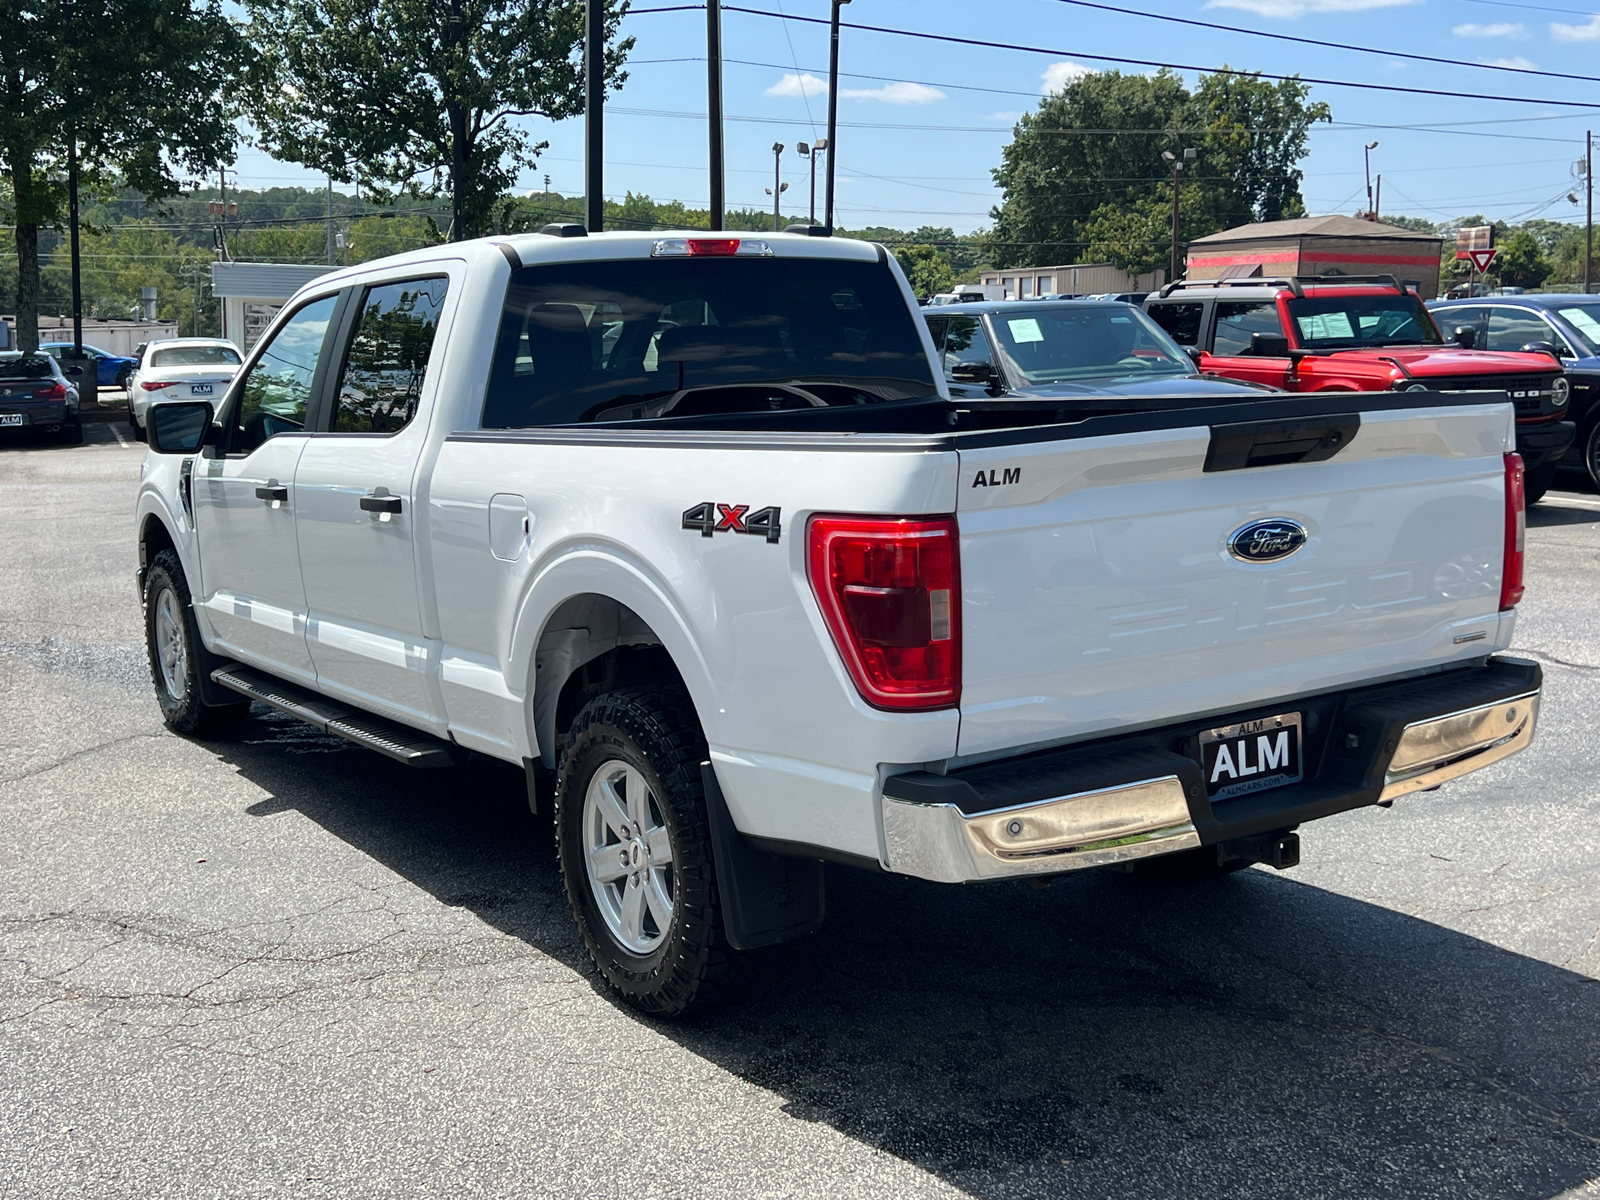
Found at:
[1135, 798]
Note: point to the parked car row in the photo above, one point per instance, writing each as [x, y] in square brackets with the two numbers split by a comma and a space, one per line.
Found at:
[1330, 334]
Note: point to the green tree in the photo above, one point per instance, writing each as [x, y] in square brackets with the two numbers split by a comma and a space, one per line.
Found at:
[1522, 262]
[135, 85]
[1084, 179]
[420, 97]
[927, 268]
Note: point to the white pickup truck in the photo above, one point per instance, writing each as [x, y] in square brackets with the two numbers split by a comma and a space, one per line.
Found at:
[688, 526]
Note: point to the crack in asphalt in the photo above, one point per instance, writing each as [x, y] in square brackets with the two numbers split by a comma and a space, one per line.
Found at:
[66, 760]
[1546, 656]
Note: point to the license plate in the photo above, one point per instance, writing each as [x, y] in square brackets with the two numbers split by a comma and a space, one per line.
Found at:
[1252, 756]
[201, 389]
[12, 419]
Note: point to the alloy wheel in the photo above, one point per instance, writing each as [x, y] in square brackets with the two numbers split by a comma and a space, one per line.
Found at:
[172, 651]
[631, 866]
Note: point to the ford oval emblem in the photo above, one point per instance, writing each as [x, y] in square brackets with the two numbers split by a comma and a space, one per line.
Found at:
[1266, 541]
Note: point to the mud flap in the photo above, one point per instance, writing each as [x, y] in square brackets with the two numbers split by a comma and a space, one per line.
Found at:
[766, 898]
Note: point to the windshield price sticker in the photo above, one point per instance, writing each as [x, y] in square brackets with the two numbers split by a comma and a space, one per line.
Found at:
[1025, 329]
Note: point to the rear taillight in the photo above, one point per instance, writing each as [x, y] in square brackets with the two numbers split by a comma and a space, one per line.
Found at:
[56, 391]
[1511, 588]
[153, 385]
[890, 591]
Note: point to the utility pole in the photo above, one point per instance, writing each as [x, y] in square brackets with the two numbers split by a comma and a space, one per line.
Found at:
[833, 108]
[1377, 198]
[594, 138]
[330, 220]
[810, 152]
[1588, 231]
[222, 237]
[778, 187]
[1177, 165]
[1366, 155]
[714, 107]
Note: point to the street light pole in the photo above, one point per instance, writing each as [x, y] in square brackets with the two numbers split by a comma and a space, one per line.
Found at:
[1177, 165]
[714, 106]
[833, 108]
[1366, 155]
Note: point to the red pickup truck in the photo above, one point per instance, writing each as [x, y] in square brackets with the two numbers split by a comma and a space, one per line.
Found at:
[1360, 334]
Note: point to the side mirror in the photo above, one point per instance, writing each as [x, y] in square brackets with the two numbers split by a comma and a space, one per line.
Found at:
[1194, 352]
[74, 371]
[1466, 336]
[1269, 345]
[972, 372]
[1549, 348]
[180, 428]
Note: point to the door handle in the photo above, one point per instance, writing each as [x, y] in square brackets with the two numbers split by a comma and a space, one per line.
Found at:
[279, 495]
[380, 504]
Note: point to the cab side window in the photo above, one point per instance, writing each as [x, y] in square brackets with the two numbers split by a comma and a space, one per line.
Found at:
[1181, 321]
[1238, 323]
[380, 383]
[964, 344]
[275, 394]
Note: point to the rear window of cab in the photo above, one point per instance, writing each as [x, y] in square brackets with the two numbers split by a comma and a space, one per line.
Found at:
[634, 339]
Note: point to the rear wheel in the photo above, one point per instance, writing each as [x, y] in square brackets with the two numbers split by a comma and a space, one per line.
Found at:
[176, 654]
[72, 434]
[1538, 482]
[1591, 452]
[635, 850]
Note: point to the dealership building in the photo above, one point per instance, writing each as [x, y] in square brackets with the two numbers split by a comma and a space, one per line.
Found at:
[1319, 246]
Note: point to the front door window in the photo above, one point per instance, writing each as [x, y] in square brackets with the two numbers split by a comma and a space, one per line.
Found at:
[275, 394]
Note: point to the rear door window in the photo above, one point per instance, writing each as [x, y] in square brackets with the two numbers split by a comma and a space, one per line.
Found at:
[964, 344]
[1181, 321]
[1238, 323]
[381, 380]
[636, 339]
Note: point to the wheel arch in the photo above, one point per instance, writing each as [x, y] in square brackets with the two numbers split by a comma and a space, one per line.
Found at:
[593, 621]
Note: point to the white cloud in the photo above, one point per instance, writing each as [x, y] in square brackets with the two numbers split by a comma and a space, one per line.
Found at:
[1059, 74]
[1501, 29]
[1293, 10]
[1587, 32]
[799, 85]
[890, 93]
[894, 93]
[1516, 61]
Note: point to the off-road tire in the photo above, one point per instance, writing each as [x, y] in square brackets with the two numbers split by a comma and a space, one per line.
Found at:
[186, 713]
[1537, 482]
[655, 731]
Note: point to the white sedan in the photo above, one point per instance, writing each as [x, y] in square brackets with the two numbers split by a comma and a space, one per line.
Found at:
[180, 369]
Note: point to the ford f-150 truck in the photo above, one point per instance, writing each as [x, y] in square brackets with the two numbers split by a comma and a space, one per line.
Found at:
[1347, 334]
[689, 528]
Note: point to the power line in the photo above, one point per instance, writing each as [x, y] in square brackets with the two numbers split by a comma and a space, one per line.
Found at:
[1571, 12]
[1305, 41]
[1146, 62]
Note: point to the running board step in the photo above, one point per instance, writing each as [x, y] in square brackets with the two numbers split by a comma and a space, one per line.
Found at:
[403, 744]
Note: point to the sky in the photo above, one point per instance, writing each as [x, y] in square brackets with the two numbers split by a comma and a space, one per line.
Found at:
[922, 123]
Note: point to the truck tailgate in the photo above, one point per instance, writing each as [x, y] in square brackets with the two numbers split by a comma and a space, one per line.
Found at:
[1098, 590]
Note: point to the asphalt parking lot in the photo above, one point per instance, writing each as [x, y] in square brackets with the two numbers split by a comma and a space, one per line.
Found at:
[282, 965]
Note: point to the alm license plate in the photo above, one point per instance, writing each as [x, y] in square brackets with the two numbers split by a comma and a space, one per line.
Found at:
[11, 419]
[201, 389]
[1252, 756]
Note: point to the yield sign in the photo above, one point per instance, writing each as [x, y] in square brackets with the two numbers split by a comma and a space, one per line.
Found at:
[1482, 258]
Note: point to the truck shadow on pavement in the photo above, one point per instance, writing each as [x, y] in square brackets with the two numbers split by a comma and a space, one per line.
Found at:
[1104, 1036]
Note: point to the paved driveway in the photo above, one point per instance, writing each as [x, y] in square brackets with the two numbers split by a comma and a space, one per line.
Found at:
[285, 966]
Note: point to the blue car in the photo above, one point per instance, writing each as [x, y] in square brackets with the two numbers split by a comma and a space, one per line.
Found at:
[1567, 326]
[110, 370]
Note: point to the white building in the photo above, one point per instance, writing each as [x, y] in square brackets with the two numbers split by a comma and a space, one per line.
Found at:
[251, 294]
[1074, 279]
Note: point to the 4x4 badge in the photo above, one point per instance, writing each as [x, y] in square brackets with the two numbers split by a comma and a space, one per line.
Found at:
[711, 518]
